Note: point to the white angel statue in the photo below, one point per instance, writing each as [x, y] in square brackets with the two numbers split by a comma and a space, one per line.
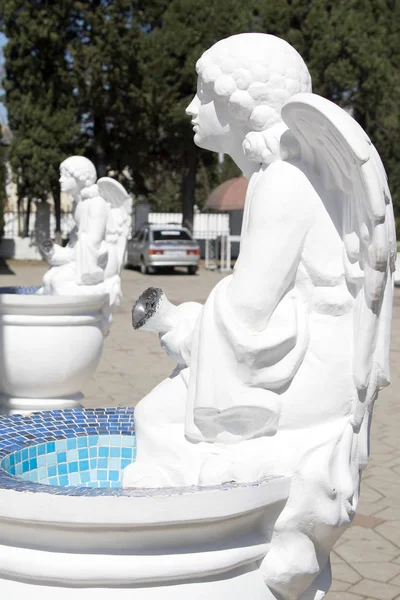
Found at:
[93, 258]
[279, 370]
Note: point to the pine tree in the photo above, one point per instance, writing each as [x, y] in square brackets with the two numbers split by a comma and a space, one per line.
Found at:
[39, 96]
[3, 179]
[107, 87]
[352, 49]
[177, 33]
[112, 79]
[3, 158]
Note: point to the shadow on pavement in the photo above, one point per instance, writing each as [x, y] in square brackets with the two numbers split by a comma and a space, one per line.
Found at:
[4, 268]
[162, 271]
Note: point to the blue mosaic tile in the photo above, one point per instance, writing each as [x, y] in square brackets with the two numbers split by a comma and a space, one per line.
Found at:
[107, 434]
[67, 452]
[56, 461]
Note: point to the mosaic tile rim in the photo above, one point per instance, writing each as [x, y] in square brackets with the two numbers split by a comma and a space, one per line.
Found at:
[19, 432]
[21, 290]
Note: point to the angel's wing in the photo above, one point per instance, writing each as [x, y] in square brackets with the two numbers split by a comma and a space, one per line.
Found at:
[119, 220]
[112, 191]
[338, 151]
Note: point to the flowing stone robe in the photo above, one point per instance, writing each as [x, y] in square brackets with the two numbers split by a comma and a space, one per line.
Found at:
[273, 347]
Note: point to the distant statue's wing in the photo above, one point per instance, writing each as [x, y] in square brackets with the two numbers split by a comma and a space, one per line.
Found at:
[119, 221]
[112, 191]
[340, 153]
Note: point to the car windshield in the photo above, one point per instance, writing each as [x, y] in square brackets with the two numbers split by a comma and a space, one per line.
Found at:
[170, 234]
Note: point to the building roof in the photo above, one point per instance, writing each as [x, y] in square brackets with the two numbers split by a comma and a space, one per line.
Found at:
[230, 195]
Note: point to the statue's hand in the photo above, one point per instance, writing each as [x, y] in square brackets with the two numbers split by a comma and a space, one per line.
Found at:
[47, 247]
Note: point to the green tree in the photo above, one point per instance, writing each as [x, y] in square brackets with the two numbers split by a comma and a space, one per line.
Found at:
[352, 48]
[103, 53]
[174, 35]
[4, 142]
[3, 179]
[39, 96]
[112, 78]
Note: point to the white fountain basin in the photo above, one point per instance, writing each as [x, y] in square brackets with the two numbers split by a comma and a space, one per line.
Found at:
[50, 346]
[80, 542]
[172, 544]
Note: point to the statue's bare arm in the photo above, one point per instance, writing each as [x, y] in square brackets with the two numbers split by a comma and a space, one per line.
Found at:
[57, 255]
[280, 215]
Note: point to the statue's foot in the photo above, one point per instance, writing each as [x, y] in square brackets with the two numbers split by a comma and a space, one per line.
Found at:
[145, 476]
[216, 470]
[291, 567]
[230, 464]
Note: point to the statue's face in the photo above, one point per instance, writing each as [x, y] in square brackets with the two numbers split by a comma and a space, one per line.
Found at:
[68, 183]
[210, 120]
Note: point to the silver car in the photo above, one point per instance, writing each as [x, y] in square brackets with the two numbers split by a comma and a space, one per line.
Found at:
[156, 246]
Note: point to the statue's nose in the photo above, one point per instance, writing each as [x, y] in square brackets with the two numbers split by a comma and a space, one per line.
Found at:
[192, 109]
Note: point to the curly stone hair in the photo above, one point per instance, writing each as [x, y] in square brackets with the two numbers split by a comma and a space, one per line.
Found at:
[81, 168]
[255, 74]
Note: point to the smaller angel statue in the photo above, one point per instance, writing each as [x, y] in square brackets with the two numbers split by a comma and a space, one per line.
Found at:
[92, 260]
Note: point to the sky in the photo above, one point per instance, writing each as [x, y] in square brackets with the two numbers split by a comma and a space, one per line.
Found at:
[3, 112]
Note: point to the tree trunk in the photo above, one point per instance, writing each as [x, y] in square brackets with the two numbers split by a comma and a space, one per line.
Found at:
[27, 218]
[57, 211]
[188, 187]
[99, 146]
[20, 208]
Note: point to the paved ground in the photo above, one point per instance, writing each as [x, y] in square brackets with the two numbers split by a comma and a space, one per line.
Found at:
[366, 560]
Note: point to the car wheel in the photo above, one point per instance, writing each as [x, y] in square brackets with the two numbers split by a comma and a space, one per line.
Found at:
[192, 270]
[146, 269]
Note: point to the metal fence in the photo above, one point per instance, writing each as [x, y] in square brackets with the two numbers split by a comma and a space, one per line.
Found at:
[211, 229]
[206, 226]
[14, 224]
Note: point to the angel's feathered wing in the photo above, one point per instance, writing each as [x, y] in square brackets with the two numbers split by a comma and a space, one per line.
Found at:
[119, 220]
[338, 150]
